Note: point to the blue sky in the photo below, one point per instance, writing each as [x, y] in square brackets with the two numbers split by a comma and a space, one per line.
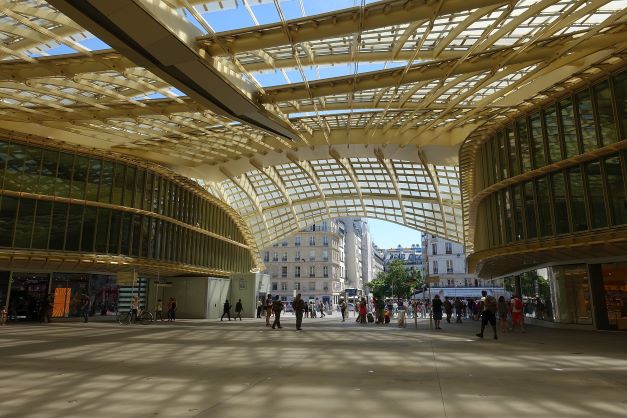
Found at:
[388, 234]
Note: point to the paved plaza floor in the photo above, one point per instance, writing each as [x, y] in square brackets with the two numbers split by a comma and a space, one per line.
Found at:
[331, 369]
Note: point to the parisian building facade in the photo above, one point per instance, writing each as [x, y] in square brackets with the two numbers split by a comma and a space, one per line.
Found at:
[322, 261]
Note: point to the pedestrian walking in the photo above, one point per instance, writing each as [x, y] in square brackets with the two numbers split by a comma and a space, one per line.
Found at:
[401, 314]
[448, 309]
[488, 308]
[159, 310]
[321, 309]
[299, 308]
[226, 310]
[343, 309]
[363, 311]
[503, 309]
[3, 315]
[380, 306]
[277, 308]
[85, 304]
[268, 309]
[172, 310]
[517, 313]
[306, 309]
[436, 306]
[259, 306]
[238, 309]
[459, 310]
[134, 309]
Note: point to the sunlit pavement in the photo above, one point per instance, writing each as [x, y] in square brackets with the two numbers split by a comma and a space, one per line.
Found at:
[331, 369]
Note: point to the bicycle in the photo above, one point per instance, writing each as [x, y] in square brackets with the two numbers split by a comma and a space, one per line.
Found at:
[143, 317]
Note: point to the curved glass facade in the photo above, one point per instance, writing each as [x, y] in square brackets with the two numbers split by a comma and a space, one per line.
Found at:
[65, 200]
[572, 172]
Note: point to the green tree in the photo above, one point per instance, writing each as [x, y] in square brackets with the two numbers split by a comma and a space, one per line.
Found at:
[380, 286]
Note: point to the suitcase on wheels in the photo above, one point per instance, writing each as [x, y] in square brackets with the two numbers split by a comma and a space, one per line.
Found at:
[370, 318]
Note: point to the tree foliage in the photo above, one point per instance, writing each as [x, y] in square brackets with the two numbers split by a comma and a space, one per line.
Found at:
[397, 282]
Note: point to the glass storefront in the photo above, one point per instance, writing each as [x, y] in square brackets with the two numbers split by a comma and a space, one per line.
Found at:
[615, 287]
[571, 294]
[65, 291]
[555, 294]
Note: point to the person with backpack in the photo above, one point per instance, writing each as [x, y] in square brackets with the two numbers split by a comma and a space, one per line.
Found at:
[343, 309]
[488, 314]
[436, 305]
[517, 313]
[503, 313]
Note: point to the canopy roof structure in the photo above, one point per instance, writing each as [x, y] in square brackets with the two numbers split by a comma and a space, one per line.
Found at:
[295, 111]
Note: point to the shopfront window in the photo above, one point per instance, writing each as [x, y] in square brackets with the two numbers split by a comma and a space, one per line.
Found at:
[536, 295]
[571, 294]
[615, 287]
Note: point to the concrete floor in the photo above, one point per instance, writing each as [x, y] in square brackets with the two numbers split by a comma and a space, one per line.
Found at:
[331, 369]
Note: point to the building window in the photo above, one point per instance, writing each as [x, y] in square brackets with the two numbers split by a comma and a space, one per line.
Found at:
[312, 271]
[275, 286]
[275, 256]
[312, 285]
[284, 286]
[325, 286]
[449, 248]
[266, 256]
[435, 267]
[325, 241]
[312, 255]
[449, 266]
[284, 243]
[283, 271]
[324, 227]
[312, 240]
[296, 285]
[325, 271]
[284, 258]
[297, 256]
[297, 271]
[434, 248]
[325, 255]
[297, 241]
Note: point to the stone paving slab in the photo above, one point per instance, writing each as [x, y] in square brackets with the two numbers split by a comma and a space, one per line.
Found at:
[242, 369]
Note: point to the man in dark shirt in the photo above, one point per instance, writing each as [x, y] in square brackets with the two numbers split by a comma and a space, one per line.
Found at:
[227, 310]
[277, 307]
[299, 309]
[238, 309]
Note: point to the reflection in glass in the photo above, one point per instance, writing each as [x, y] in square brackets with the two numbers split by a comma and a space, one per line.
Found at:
[24, 226]
[586, 121]
[560, 204]
[41, 229]
[616, 190]
[523, 140]
[57, 229]
[544, 207]
[620, 94]
[552, 133]
[596, 200]
[615, 288]
[514, 164]
[577, 200]
[605, 113]
[537, 142]
[8, 212]
[572, 294]
[518, 214]
[569, 129]
[530, 210]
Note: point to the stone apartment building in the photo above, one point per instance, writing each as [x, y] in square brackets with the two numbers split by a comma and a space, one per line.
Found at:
[447, 260]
